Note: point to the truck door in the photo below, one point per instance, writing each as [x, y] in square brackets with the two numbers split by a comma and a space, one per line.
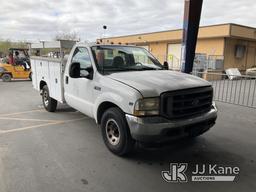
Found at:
[78, 91]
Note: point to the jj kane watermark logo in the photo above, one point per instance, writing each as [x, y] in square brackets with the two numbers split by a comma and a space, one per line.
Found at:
[200, 173]
[176, 173]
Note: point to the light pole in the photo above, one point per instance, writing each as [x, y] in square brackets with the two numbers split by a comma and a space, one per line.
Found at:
[192, 14]
[104, 33]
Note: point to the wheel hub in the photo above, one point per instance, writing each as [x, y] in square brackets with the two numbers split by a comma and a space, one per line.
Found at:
[45, 96]
[112, 132]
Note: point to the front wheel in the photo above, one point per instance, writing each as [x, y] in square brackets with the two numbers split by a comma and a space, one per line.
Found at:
[115, 132]
[6, 77]
[49, 103]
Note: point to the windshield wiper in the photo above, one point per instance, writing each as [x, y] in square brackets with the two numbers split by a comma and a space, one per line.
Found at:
[146, 68]
[149, 68]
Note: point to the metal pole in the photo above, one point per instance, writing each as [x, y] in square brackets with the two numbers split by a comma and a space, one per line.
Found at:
[192, 14]
[104, 34]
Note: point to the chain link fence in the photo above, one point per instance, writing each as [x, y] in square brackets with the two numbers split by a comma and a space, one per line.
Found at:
[202, 61]
[233, 89]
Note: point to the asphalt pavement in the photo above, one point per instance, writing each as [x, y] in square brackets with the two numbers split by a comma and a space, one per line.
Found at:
[64, 151]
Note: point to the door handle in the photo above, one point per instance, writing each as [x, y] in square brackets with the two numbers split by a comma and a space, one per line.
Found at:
[66, 79]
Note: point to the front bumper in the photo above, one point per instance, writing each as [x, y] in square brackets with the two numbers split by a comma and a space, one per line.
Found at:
[159, 129]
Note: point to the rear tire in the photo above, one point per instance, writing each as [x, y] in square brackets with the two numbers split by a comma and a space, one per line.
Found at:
[49, 103]
[6, 77]
[115, 132]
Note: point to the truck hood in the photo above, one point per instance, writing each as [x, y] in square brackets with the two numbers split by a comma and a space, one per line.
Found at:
[153, 83]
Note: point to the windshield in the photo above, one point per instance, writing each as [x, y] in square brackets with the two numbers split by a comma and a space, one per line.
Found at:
[111, 59]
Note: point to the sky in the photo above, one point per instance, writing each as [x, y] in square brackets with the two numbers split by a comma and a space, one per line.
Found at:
[34, 20]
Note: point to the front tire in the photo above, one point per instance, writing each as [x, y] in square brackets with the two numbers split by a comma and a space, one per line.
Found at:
[115, 132]
[6, 77]
[49, 103]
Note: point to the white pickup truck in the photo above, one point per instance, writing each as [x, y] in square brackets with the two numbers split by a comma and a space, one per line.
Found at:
[127, 91]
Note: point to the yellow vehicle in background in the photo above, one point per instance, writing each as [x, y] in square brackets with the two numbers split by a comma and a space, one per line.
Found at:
[16, 66]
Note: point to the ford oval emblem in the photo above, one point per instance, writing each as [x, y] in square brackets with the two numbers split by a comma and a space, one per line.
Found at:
[195, 102]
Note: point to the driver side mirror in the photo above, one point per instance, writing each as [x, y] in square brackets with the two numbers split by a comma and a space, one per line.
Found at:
[75, 71]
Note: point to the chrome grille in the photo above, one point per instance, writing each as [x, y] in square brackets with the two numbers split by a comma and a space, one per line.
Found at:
[186, 103]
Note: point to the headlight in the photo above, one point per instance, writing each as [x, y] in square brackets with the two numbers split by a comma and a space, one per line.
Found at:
[148, 106]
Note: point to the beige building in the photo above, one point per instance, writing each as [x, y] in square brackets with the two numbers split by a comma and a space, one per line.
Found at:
[220, 46]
